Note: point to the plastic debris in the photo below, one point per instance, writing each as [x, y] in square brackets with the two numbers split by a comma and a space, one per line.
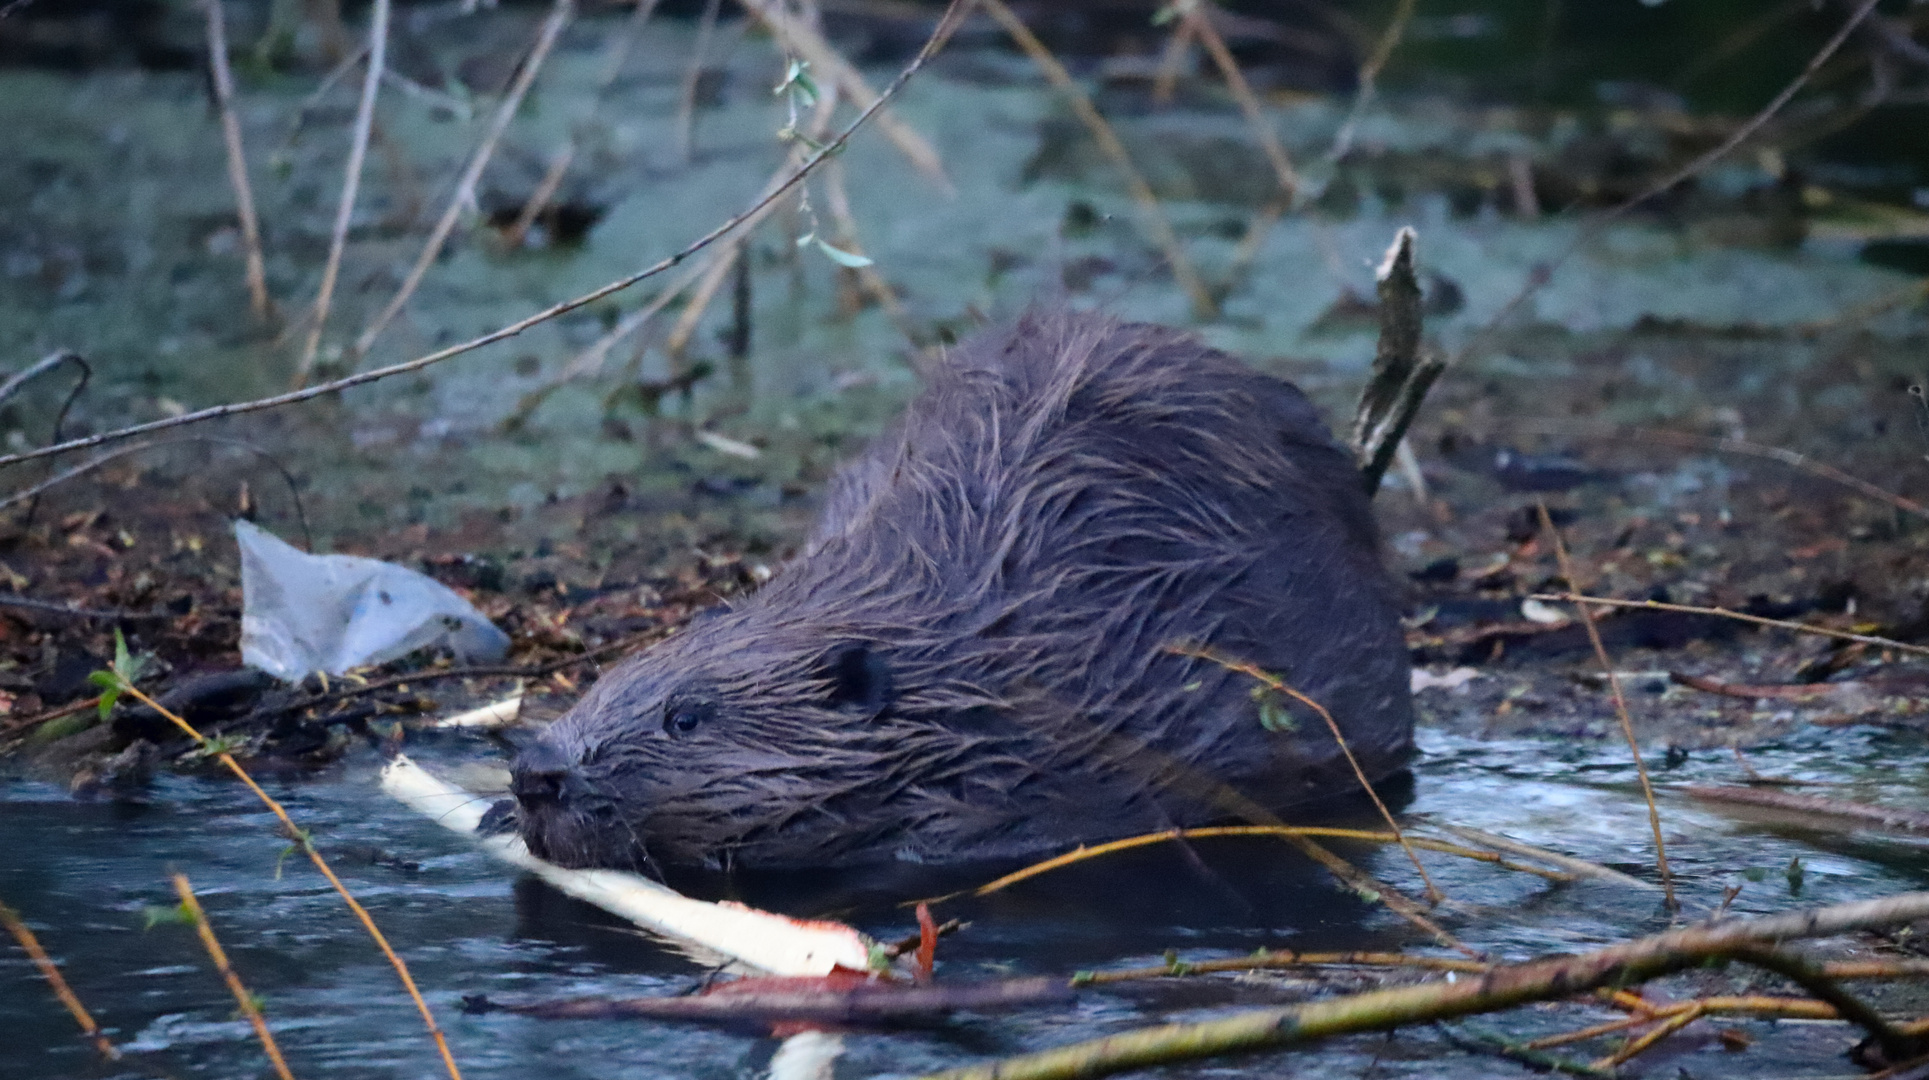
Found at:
[302, 613]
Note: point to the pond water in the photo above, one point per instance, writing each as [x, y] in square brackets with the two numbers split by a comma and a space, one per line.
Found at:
[85, 872]
[125, 253]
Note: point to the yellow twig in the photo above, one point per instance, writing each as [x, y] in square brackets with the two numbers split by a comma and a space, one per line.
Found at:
[1620, 702]
[1666, 1027]
[1156, 223]
[1207, 832]
[51, 972]
[242, 998]
[1278, 685]
[302, 841]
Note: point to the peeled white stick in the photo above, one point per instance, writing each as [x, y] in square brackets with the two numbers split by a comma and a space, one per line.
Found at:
[776, 944]
[500, 714]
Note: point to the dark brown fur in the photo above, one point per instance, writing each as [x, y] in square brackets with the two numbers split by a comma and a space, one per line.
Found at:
[970, 658]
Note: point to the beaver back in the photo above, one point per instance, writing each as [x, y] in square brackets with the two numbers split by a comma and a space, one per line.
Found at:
[981, 651]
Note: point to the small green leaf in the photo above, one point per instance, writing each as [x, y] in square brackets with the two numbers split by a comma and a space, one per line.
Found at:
[121, 660]
[178, 915]
[106, 680]
[850, 260]
[798, 82]
[1274, 717]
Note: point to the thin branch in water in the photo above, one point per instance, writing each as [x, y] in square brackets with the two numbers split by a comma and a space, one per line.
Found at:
[51, 972]
[1738, 616]
[351, 187]
[1503, 987]
[1722, 445]
[1620, 701]
[946, 26]
[1278, 685]
[552, 28]
[244, 199]
[243, 1000]
[306, 844]
[1157, 225]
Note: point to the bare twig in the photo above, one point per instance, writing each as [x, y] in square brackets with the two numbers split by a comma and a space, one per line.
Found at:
[1277, 685]
[1577, 867]
[28, 603]
[1275, 959]
[1157, 225]
[351, 186]
[686, 99]
[540, 198]
[945, 28]
[559, 163]
[799, 37]
[1738, 616]
[51, 972]
[1620, 701]
[1094, 851]
[465, 188]
[12, 384]
[244, 198]
[837, 199]
[1500, 988]
[1370, 79]
[306, 844]
[294, 490]
[1200, 20]
[1544, 272]
[1173, 62]
[243, 1000]
[1401, 374]
[1884, 817]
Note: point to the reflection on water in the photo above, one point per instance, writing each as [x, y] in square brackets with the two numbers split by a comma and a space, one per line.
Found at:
[84, 874]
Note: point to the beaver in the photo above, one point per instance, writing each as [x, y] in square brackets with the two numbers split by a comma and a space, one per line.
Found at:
[989, 647]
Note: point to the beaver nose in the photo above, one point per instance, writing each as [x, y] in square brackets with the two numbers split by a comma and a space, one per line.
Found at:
[539, 775]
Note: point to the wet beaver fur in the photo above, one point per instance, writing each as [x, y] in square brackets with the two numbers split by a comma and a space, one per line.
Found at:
[971, 657]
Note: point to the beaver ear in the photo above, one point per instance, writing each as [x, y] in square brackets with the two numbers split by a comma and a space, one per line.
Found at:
[860, 680]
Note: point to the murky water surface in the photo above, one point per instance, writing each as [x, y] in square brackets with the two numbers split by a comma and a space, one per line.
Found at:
[85, 872]
[126, 254]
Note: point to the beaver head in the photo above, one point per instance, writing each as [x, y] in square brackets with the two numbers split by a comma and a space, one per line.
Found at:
[973, 656]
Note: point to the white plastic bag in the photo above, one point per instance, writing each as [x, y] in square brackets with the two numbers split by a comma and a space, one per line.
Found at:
[302, 613]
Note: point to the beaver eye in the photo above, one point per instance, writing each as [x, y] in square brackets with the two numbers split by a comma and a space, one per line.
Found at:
[683, 717]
